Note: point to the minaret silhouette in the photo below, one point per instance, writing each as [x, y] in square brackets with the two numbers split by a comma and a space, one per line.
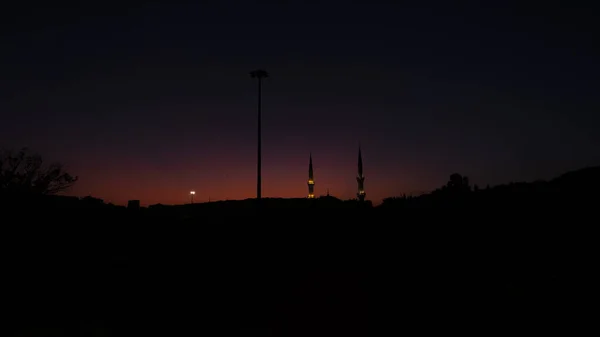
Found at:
[311, 181]
[360, 179]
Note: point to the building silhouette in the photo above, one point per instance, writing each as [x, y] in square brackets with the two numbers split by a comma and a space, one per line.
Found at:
[133, 204]
[360, 179]
[311, 181]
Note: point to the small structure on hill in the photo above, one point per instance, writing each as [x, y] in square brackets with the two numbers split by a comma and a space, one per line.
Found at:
[133, 204]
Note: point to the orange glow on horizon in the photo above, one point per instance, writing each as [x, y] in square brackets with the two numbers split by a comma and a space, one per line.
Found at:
[234, 179]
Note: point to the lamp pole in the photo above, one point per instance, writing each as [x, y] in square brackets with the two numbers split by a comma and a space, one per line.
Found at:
[259, 74]
[192, 193]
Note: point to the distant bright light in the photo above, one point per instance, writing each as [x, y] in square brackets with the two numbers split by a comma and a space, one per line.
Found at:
[192, 192]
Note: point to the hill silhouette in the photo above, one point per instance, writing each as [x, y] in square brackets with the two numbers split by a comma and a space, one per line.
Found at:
[457, 258]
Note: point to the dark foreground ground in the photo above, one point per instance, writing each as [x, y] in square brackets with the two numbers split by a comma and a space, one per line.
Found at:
[340, 274]
[516, 259]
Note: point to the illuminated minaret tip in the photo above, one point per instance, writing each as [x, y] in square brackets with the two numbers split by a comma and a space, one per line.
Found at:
[311, 181]
[360, 179]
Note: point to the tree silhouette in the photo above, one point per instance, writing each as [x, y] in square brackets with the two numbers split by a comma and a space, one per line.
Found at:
[24, 173]
[458, 183]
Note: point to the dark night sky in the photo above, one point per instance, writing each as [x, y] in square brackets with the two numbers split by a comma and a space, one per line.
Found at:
[152, 101]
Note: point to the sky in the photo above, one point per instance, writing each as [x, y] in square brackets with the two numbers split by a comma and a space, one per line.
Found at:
[151, 101]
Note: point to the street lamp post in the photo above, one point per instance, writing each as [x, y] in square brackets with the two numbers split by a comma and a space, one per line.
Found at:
[259, 74]
[192, 193]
